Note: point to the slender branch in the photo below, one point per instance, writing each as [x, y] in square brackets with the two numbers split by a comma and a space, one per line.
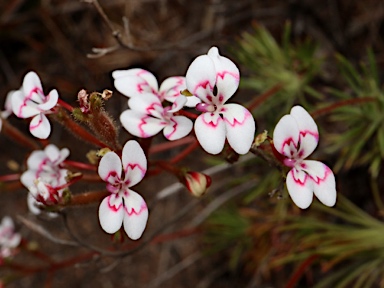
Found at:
[263, 97]
[170, 145]
[300, 271]
[19, 137]
[185, 152]
[333, 106]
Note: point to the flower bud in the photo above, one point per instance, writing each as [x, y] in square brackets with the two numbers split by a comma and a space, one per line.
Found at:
[197, 183]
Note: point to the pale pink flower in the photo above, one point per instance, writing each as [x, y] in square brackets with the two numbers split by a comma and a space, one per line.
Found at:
[214, 79]
[124, 206]
[296, 137]
[30, 101]
[135, 82]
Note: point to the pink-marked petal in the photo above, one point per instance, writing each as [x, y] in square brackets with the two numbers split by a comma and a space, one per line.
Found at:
[192, 101]
[324, 183]
[36, 160]
[110, 168]
[32, 87]
[309, 134]
[40, 126]
[210, 132]
[20, 108]
[300, 188]
[240, 127]
[286, 136]
[133, 82]
[134, 162]
[171, 87]
[178, 104]
[50, 101]
[111, 213]
[136, 215]
[227, 74]
[140, 124]
[55, 155]
[147, 103]
[201, 77]
[178, 127]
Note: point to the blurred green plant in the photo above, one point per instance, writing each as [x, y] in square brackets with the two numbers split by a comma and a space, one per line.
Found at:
[291, 67]
[351, 248]
[362, 142]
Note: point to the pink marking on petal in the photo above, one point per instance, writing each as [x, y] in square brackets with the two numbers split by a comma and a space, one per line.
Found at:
[202, 84]
[174, 126]
[113, 207]
[143, 207]
[222, 75]
[298, 181]
[210, 123]
[142, 123]
[305, 132]
[112, 174]
[33, 127]
[237, 122]
[328, 171]
[27, 98]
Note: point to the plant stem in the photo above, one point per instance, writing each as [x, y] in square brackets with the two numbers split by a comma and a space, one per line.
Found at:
[185, 152]
[261, 98]
[300, 271]
[65, 105]
[10, 177]
[333, 106]
[80, 165]
[19, 137]
[170, 145]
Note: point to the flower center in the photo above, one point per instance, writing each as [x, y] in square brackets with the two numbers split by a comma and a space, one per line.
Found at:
[204, 107]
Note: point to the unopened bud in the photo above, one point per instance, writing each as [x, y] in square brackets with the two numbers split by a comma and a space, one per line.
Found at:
[82, 97]
[197, 183]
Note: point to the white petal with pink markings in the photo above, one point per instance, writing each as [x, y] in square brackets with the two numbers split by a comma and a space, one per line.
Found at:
[136, 215]
[40, 126]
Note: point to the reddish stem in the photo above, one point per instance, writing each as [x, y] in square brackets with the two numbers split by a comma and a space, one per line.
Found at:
[87, 198]
[65, 105]
[300, 271]
[187, 114]
[263, 97]
[80, 165]
[175, 235]
[19, 137]
[10, 177]
[185, 152]
[339, 104]
[170, 145]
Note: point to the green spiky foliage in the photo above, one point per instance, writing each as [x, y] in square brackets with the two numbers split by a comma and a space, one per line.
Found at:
[361, 140]
[291, 66]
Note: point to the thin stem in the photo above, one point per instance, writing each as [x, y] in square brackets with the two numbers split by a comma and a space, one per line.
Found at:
[263, 97]
[376, 194]
[185, 152]
[10, 177]
[87, 198]
[19, 137]
[170, 145]
[300, 271]
[65, 105]
[333, 106]
[80, 165]
[187, 114]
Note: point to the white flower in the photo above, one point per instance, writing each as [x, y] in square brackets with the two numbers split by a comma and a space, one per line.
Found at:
[124, 206]
[206, 74]
[135, 82]
[296, 137]
[30, 101]
[9, 239]
[148, 117]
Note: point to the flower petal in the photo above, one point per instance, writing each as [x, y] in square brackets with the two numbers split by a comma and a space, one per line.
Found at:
[286, 136]
[178, 104]
[171, 87]
[27, 178]
[210, 132]
[50, 101]
[136, 215]
[110, 168]
[32, 88]
[147, 103]
[240, 127]
[309, 134]
[55, 155]
[140, 124]
[324, 183]
[134, 162]
[300, 188]
[40, 126]
[227, 74]
[133, 82]
[178, 127]
[111, 213]
[36, 159]
[20, 108]
[201, 77]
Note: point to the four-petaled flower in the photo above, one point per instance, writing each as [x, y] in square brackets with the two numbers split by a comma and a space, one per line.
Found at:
[30, 101]
[296, 137]
[148, 117]
[214, 79]
[45, 165]
[134, 82]
[9, 239]
[124, 206]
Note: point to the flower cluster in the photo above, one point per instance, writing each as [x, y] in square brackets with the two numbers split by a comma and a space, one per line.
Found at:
[45, 177]
[210, 82]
